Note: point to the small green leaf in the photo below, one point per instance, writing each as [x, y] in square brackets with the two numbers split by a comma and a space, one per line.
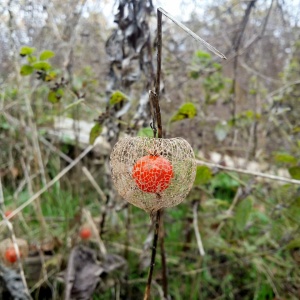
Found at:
[55, 96]
[285, 158]
[217, 66]
[59, 93]
[95, 132]
[295, 172]
[223, 180]
[203, 175]
[46, 54]
[52, 97]
[26, 50]
[221, 131]
[203, 54]
[50, 76]
[26, 70]
[296, 129]
[42, 65]
[194, 74]
[117, 97]
[242, 213]
[293, 244]
[146, 132]
[31, 59]
[186, 111]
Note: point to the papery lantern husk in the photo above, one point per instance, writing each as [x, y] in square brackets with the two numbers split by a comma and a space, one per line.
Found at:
[8, 243]
[177, 151]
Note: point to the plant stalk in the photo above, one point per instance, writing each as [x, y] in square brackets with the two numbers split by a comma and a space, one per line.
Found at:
[153, 254]
[156, 115]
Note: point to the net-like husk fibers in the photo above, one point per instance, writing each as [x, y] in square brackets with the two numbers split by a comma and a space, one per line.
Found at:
[177, 151]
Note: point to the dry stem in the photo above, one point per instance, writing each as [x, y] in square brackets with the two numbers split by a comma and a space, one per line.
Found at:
[196, 228]
[153, 254]
[156, 115]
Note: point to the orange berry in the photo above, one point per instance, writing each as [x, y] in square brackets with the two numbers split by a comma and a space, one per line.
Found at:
[11, 255]
[152, 174]
[85, 233]
[8, 213]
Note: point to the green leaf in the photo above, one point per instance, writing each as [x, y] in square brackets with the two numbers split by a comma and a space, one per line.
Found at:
[224, 181]
[293, 244]
[95, 132]
[265, 292]
[203, 58]
[296, 129]
[46, 54]
[285, 158]
[55, 96]
[203, 54]
[295, 172]
[146, 132]
[117, 97]
[217, 66]
[52, 97]
[50, 76]
[262, 217]
[242, 213]
[26, 50]
[203, 175]
[26, 70]
[31, 59]
[221, 131]
[59, 93]
[42, 65]
[186, 111]
[194, 74]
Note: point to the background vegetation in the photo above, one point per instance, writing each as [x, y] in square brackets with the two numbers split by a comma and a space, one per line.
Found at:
[66, 60]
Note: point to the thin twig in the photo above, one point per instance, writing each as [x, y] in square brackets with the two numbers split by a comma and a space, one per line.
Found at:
[94, 183]
[194, 35]
[230, 209]
[159, 49]
[153, 254]
[43, 280]
[37, 206]
[257, 174]
[91, 223]
[163, 257]
[50, 183]
[45, 275]
[196, 229]
[156, 116]
[84, 169]
[126, 249]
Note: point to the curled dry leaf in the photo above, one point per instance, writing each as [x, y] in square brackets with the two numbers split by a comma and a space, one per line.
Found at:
[84, 272]
[12, 286]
